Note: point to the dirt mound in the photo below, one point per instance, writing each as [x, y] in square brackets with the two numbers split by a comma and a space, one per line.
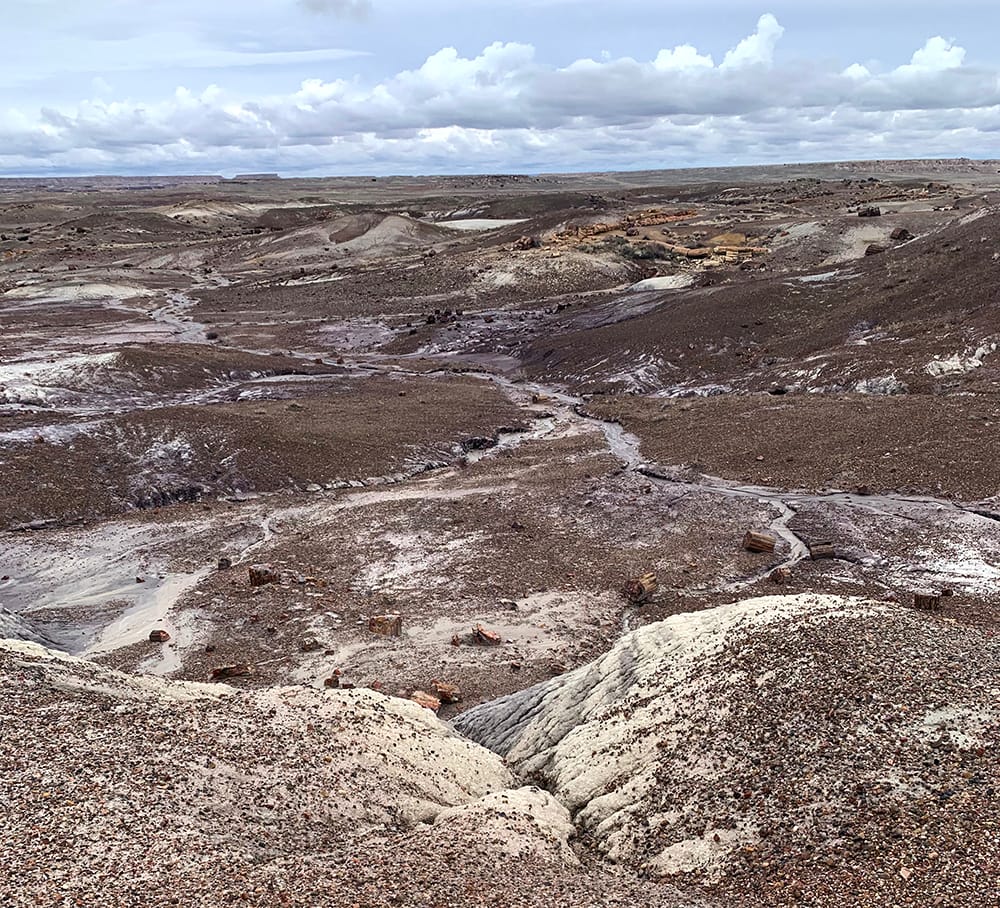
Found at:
[292, 218]
[801, 747]
[371, 234]
[361, 234]
[127, 225]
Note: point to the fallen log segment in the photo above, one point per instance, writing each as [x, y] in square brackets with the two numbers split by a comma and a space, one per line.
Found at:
[445, 692]
[229, 671]
[426, 700]
[927, 602]
[781, 575]
[386, 625]
[759, 542]
[822, 550]
[482, 637]
[261, 574]
[641, 589]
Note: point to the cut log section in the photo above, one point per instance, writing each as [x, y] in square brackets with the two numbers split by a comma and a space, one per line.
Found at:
[759, 542]
[261, 574]
[781, 575]
[927, 602]
[822, 550]
[387, 625]
[641, 589]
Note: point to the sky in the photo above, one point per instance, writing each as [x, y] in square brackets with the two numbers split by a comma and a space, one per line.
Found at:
[375, 87]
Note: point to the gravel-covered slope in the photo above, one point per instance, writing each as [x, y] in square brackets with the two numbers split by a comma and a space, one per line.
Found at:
[778, 748]
[123, 790]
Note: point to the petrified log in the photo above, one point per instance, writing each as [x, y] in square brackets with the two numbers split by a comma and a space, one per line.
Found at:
[229, 671]
[158, 636]
[759, 542]
[387, 625]
[225, 562]
[428, 701]
[445, 692]
[484, 637]
[781, 575]
[928, 602]
[261, 574]
[641, 589]
[690, 253]
[822, 550]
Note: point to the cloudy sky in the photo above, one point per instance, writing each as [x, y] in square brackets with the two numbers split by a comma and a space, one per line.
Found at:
[450, 86]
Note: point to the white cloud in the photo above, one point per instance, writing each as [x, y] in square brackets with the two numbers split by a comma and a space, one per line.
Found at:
[756, 49]
[506, 109]
[937, 55]
[682, 57]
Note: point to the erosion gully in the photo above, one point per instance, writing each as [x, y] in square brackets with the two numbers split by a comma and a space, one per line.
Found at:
[555, 409]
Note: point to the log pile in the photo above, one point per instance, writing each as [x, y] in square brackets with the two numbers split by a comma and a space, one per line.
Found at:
[650, 217]
[729, 253]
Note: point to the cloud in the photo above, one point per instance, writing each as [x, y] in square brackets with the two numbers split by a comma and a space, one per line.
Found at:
[506, 109]
[758, 48]
[354, 9]
[684, 56]
[937, 55]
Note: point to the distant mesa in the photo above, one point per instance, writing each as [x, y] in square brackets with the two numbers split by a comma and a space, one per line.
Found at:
[256, 176]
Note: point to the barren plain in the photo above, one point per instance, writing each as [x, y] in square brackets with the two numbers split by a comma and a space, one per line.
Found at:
[319, 500]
